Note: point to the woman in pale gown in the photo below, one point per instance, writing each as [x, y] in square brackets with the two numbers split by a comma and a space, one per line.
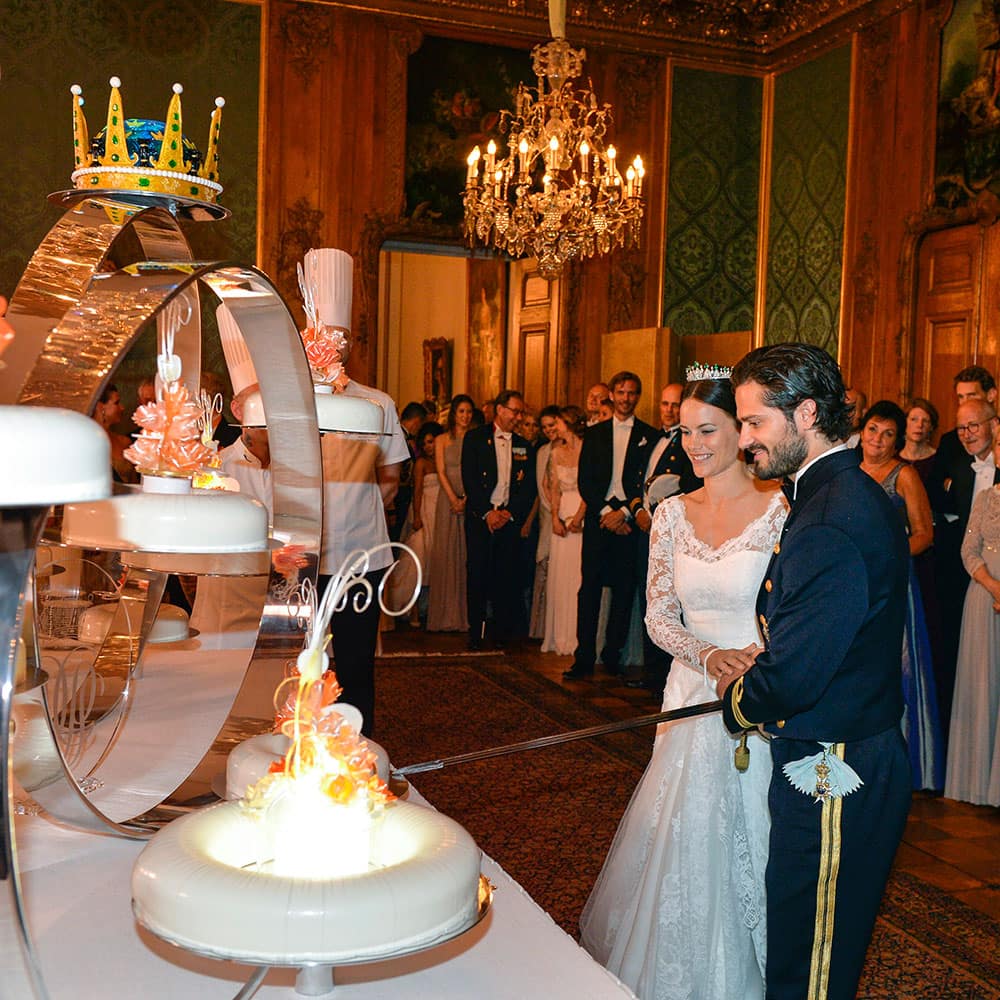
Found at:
[566, 546]
[547, 422]
[678, 911]
[446, 610]
[421, 516]
[974, 742]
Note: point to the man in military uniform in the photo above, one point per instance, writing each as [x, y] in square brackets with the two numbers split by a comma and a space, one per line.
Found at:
[827, 686]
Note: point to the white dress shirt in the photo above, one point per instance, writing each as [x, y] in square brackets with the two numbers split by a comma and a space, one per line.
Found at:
[502, 445]
[984, 470]
[621, 430]
[669, 436]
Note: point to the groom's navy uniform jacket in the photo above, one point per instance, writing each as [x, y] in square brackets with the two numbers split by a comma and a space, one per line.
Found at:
[831, 612]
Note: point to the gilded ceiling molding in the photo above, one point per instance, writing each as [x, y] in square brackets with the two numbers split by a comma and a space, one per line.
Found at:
[747, 31]
[305, 30]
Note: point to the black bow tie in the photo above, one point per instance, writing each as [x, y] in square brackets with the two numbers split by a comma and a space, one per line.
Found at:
[788, 488]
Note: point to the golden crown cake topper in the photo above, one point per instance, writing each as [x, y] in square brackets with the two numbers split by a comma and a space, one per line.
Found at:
[145, 155]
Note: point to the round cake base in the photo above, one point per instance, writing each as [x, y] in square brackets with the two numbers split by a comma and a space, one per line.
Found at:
[195, 885]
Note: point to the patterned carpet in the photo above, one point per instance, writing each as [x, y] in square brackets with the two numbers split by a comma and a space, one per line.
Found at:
[548, 815]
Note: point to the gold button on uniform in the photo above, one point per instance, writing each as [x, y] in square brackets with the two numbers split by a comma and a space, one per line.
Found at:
[762, 619]
[780, 723]
[768, 586]
[777, 547]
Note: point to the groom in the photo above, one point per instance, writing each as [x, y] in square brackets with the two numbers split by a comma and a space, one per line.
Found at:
[827, 686]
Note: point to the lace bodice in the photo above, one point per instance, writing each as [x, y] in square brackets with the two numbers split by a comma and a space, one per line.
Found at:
[698, 596]
[981, 545]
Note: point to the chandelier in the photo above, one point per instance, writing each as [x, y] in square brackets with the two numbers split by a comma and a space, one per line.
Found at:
[558, 194]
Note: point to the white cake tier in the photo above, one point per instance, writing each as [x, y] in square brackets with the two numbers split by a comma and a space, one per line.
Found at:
[52, 456]
[194, 885]
[250, 760]
[170, 625]
[204, 521]
[335, 411]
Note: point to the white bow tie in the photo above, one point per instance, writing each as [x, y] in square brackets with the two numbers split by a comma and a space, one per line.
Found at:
[981, 465]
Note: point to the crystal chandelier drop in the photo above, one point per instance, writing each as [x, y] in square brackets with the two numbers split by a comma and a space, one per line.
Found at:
[558, 194]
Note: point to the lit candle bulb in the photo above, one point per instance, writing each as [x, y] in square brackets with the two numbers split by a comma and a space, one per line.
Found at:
[584, 157]
[547, 183]
[640, 172]
[612, 168]
[522, 151]
[473, 160]
[491, 152]
[497, 177]
[630, 179]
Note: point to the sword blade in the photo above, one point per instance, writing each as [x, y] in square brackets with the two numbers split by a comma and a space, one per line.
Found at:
[688, 712]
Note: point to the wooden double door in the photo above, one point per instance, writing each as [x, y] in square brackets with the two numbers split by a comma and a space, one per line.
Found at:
[958, 311]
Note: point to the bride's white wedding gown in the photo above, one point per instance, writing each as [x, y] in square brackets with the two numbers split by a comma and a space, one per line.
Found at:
[678, 911]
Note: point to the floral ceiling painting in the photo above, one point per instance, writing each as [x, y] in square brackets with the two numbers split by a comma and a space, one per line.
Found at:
[455, 94]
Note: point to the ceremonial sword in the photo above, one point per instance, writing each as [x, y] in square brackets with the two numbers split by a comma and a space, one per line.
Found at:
[687, 712]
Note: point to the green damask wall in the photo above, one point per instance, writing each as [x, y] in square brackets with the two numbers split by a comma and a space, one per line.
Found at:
[211, 47]
[712, 209]
[808, 193]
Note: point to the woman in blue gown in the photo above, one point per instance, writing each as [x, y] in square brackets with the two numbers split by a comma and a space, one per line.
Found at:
[882, 436]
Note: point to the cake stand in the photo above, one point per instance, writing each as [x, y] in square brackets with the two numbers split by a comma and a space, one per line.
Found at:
[82, 303]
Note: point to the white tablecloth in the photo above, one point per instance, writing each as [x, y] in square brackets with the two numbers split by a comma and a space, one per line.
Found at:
[76, 888]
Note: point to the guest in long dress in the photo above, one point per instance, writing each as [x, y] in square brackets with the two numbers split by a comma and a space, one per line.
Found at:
[446, 608]
[921, 426]
[419, 531]
[547, 422]
[566, 550]
[974, 744]
[882, 434]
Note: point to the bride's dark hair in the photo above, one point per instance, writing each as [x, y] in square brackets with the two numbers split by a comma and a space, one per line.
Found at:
[717, 392]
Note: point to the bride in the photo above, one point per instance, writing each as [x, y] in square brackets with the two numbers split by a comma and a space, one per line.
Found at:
[678, 911]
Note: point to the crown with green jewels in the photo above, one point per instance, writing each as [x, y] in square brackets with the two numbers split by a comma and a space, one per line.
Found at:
[696, 373]
[143, 154]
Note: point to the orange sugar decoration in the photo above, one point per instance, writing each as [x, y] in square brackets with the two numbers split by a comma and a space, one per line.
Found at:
[170, 440]
[323, 743]
[325, 351]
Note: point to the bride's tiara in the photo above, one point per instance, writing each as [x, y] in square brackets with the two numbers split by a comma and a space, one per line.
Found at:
[695, 373]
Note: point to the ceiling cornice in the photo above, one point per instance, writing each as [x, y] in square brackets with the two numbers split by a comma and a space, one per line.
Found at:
[754, 34]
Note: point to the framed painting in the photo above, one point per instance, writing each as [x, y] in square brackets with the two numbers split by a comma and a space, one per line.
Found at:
[487, 352]
[968, 120]
[437, 371]
[455, 93]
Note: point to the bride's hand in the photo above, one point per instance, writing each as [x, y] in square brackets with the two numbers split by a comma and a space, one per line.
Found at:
[728, 664]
